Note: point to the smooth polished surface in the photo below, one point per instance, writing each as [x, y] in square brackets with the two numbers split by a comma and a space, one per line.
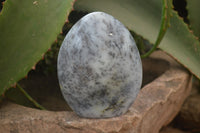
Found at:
[99, 67]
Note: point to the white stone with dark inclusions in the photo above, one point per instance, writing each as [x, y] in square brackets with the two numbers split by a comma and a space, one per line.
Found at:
[99, 67]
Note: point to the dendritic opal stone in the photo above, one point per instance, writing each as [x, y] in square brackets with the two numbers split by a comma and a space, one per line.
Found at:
[99, 67]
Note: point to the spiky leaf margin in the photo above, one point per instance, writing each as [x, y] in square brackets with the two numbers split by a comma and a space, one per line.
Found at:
[27, 29]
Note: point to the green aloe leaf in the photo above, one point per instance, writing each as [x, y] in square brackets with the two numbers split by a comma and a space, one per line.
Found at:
[194, 16]
[27, 29]
[165, 23]
[144, 18]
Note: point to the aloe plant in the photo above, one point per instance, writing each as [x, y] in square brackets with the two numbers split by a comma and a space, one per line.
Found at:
[193, 10]
[28, 28]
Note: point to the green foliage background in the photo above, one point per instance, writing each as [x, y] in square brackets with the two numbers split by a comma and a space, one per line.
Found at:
[27, 30]
[29, 27]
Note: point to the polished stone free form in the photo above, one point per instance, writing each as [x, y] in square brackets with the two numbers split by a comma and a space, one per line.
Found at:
[99, 67]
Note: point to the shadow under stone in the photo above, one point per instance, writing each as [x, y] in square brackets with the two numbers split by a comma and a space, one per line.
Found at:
[46, 91]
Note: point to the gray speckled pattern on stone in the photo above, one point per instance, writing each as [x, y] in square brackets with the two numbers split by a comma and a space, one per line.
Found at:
[99, 67]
